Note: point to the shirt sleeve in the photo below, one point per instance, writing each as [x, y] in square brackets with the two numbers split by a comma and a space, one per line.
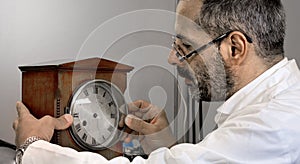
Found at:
[237, 141]
[47, 153]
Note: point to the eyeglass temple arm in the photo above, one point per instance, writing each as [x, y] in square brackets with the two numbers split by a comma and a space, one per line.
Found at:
[182, 58]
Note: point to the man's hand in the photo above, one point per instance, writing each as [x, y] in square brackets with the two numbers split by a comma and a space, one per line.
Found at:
[27, 125]
[151, 125]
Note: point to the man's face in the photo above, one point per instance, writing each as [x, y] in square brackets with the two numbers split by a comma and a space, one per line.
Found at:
[206, 73]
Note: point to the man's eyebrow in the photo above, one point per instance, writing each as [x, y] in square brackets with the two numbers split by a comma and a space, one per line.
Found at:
[179, 36]
[183, 38]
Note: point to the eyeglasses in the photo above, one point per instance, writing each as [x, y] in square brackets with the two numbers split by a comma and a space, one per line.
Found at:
[181, 56]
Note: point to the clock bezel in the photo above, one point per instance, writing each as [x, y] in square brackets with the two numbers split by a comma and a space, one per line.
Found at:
[119, 101]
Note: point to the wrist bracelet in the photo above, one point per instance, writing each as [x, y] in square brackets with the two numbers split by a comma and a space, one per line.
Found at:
[20, 150]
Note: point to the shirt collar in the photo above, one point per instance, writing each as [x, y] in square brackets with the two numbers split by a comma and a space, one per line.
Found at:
[251, 91]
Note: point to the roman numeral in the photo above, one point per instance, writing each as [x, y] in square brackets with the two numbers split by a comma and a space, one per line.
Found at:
[84, 137]
[96, 90]
[76, 115]
[110, 104]
[104, 94]
[86, 93]
[110, 128]
[94, 141]
[78, 127]
[112, 115]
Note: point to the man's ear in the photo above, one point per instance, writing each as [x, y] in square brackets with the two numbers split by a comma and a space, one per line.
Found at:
[238, 47]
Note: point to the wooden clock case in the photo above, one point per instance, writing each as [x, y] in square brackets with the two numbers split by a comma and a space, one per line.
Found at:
[47, 88]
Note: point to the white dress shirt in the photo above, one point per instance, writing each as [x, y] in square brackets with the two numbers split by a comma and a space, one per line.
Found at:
[258, 124]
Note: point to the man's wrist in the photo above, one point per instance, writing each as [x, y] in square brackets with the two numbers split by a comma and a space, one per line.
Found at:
[21, 149]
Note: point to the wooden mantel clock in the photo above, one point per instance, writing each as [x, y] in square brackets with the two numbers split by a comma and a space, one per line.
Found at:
[91, 90]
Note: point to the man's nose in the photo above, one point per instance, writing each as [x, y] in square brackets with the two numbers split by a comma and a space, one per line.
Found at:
[173, 59]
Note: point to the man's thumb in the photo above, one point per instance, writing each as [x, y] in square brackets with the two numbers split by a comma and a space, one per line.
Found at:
[63, 122]
[138, 124]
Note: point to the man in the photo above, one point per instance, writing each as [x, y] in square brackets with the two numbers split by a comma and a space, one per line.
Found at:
[244, 65]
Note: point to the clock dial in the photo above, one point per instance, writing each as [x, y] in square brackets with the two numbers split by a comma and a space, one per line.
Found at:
[95, 108]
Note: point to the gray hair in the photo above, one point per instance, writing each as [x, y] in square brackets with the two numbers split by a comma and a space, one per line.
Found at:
[262, 20]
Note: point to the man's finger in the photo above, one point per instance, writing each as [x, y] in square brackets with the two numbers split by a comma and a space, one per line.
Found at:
[121, 122]
[152, 113]
[123, 109]
[133, 107]
[139, 105]
[138, 124]
[21, 109]
[61, 123]
[15, 124]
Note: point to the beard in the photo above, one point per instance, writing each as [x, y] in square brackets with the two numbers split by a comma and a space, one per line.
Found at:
[212, 80]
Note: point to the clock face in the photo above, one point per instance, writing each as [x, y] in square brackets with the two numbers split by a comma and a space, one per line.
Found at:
[95, 109]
